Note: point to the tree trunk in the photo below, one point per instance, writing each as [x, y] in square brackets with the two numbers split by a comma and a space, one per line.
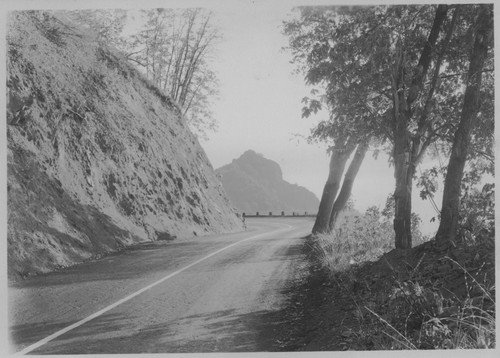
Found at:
[451, 194]
[350, 175]
[403, 172]
[403, 153]
[339, 157]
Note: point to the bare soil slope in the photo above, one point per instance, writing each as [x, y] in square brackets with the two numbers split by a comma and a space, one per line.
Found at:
[98, 158]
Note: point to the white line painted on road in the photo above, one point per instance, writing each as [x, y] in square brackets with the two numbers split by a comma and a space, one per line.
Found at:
[129, 297]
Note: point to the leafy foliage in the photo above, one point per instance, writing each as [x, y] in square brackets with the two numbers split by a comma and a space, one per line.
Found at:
[477, 212]
[477, 196]
[321, 42]
[378, 75]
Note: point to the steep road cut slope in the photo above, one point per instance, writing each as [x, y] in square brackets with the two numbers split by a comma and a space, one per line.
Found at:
[98, 158]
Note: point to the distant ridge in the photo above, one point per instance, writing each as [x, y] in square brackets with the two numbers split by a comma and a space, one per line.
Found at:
[255, 184]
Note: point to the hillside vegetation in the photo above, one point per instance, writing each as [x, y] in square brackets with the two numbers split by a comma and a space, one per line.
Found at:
[361, 294]
[255, 184]
[98, 158]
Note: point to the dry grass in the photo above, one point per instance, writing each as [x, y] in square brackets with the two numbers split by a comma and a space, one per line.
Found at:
[464, 324]
[356, 239]
[420, 299]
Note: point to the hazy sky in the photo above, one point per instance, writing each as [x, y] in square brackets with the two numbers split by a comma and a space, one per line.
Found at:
[260, 99]
[260, 108]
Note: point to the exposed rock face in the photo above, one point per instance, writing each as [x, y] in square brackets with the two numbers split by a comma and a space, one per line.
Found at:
[255, 184]
[98, 158]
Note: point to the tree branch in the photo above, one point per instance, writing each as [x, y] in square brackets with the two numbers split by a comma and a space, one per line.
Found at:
[485, 155]
[465, 73]
[426, 55]
[127, 55]
[137, 61]
[425, 112]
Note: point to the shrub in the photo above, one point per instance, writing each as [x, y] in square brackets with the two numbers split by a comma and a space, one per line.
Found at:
[355, 239]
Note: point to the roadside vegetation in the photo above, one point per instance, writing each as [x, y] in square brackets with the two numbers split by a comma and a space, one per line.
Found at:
[358, 238]
[377, 298]
[416, 82]
[421, 298]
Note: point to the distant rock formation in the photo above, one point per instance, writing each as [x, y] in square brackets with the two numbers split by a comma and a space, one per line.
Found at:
[98, 158]
[255, 184]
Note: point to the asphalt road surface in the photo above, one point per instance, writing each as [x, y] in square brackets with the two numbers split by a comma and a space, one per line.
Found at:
[206, 294]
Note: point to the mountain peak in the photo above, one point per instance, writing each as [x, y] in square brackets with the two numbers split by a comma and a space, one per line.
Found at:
[252, 153]
[258, 167]
[255, 183]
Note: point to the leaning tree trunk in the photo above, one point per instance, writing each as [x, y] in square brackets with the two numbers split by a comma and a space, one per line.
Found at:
[451, 193]
[337, 165]
[350, 175]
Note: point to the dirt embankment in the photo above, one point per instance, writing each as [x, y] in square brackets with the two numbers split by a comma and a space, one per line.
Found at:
[98, 158]
[428, 297]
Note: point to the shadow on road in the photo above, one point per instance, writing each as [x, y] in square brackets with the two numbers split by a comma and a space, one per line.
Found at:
[141, 260]
[220, 331]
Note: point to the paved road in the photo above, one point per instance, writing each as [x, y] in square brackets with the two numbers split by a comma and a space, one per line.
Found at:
[206, 294]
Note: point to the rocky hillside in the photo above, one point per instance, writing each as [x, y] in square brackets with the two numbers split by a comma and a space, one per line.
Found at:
[255, 184]
[98, 158]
